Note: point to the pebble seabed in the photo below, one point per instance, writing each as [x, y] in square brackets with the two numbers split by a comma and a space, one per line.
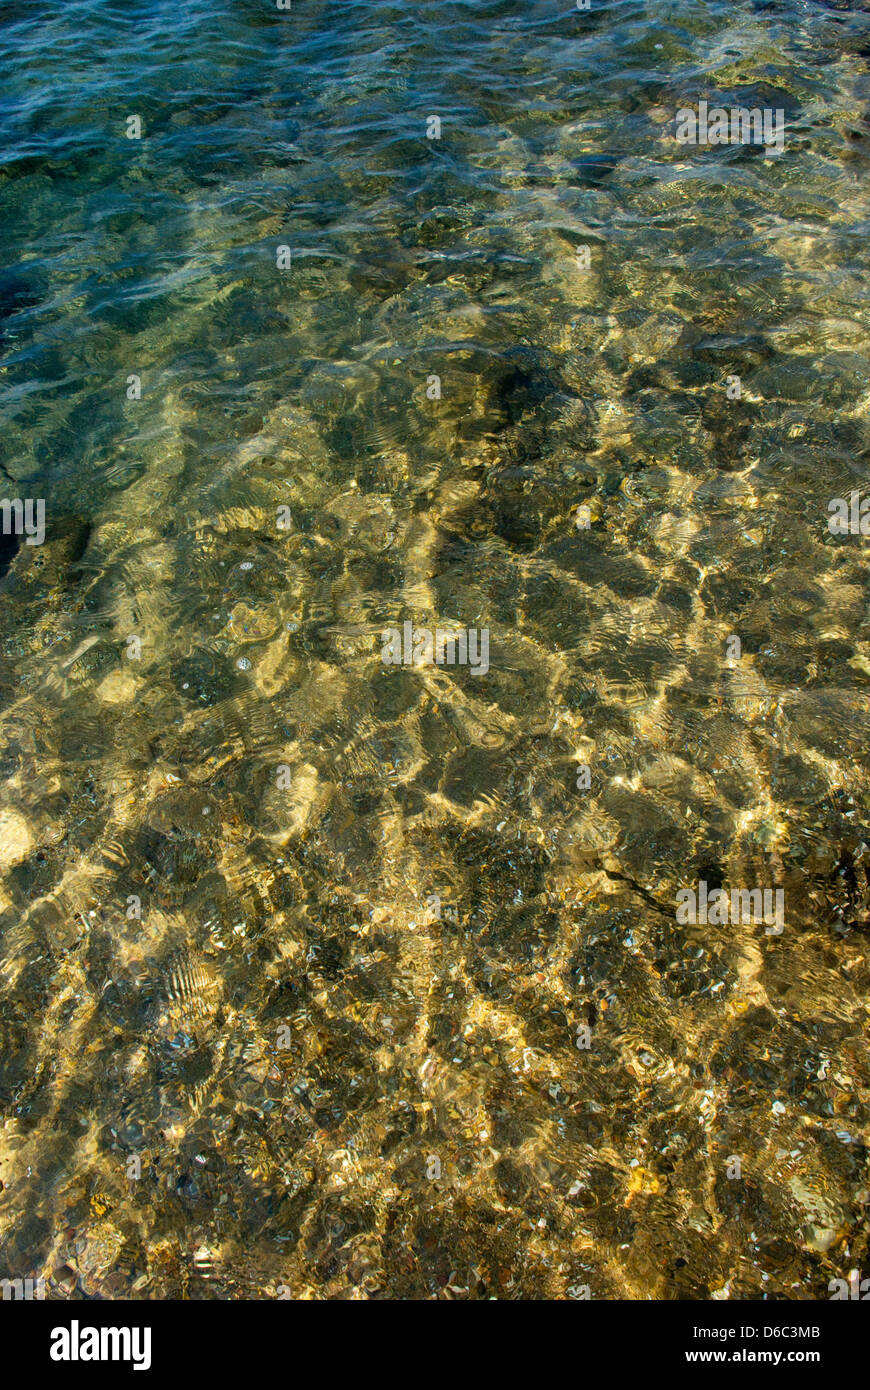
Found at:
[324, 975]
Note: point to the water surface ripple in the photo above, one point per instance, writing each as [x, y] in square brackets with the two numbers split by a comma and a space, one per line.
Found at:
[339, 1046]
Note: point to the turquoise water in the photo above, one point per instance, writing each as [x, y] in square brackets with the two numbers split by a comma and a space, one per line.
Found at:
[296, 947]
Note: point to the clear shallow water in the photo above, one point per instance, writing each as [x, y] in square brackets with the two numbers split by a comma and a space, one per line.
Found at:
[302, 1158]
